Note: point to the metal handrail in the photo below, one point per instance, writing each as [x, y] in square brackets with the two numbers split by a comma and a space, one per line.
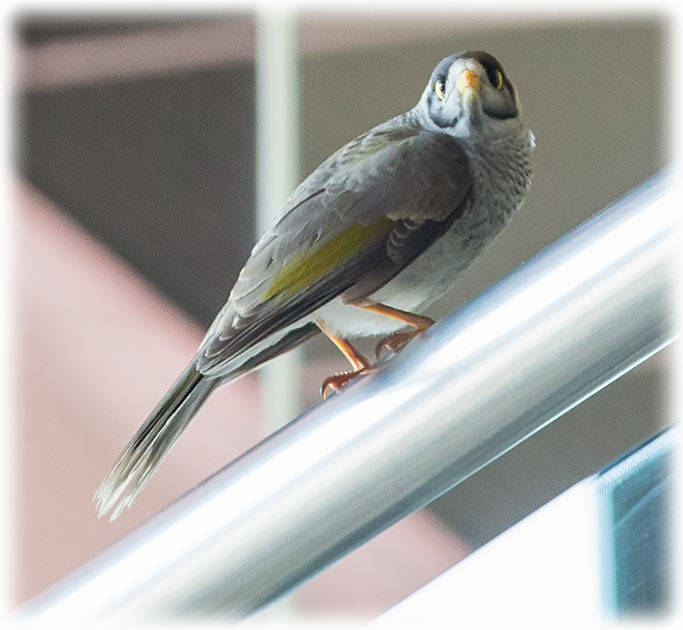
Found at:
[556, 330]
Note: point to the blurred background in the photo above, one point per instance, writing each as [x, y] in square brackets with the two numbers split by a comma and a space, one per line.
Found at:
[136, 195]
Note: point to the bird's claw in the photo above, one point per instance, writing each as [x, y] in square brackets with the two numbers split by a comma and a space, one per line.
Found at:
[333, 384]
[394, 343]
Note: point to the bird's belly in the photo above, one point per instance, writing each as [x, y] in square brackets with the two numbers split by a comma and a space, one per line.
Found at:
[428, 277]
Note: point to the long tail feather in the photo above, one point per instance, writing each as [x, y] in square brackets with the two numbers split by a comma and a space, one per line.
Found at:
[152, 442]
[168, 420]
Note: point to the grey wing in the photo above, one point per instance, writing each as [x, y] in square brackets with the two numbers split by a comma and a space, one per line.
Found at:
[384, 199]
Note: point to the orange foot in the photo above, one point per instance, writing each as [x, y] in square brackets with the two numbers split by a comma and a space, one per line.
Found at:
[333, 384]
[395, 342]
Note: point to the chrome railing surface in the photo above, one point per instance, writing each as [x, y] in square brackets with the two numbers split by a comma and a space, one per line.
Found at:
[556, 330]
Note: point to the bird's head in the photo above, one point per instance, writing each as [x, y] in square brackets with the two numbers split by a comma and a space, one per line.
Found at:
[470, 96]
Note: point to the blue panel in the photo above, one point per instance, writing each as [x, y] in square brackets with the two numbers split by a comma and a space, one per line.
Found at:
[636, 491]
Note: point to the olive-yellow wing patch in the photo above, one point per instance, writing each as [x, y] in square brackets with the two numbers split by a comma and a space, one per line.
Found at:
[317, 261]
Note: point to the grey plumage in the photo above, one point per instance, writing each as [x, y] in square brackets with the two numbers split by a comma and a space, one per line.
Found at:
[429, 181]
[392, 217]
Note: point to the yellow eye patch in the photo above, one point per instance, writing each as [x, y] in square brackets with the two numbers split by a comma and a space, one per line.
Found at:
[439, 89]
[498, 83]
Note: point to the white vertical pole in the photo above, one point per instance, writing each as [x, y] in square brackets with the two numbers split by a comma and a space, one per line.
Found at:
[277, 173]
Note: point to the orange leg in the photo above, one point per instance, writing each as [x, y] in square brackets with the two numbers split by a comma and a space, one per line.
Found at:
[396, 341]
[334, 383]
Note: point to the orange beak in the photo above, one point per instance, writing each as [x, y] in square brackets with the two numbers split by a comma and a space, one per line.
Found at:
[467, 79]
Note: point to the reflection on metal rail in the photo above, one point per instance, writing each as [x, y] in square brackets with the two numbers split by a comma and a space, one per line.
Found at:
[556, 330]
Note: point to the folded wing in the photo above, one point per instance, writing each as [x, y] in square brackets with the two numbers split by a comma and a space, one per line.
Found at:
[361, 217]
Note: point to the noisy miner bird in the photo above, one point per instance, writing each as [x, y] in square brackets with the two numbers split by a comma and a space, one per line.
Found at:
[378, 231]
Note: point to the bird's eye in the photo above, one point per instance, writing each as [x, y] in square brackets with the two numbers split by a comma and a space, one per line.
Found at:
[495, 78]
[439, 89]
